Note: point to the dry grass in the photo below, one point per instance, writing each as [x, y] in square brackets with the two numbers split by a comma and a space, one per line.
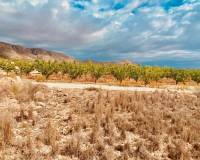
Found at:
[98, 125]
[51, 136]
[6, 128]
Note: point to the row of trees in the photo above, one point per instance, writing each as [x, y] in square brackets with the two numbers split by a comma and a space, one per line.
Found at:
[120, 72]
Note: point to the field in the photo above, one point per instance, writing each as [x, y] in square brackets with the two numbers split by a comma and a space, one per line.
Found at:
[92, 124]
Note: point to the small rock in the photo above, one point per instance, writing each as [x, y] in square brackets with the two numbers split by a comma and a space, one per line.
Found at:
[41, 104]
[35, 114]
[38, 108]
[39, 96]
[19, 141]
[45, 149]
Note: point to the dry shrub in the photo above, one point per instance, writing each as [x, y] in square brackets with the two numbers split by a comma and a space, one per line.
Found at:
[27, 147]
[72, 148]
[5, 86]
[4, 91]
[178, 150]
[6, 128]
[51, 136]
[24, 91]
[95, 134]
[108, 154]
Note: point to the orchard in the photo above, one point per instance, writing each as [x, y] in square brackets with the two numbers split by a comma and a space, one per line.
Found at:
[120, 72]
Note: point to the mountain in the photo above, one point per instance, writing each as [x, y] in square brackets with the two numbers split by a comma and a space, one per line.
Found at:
[11, 51]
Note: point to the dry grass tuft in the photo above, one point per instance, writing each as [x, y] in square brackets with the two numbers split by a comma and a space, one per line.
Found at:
[51, 136]
[6, 128]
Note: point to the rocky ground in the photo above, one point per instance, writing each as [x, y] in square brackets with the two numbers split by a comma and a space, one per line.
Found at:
[39, 123]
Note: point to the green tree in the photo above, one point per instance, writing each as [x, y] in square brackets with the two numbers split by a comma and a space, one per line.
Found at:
[46, 68]
[120, 72]
[7, 66]
[96, 70]
[146, 75]
[195, 75]
[135, 72]
[167, 72]
[25, 66]
[180, 75]
[156, 73]
[74, 69]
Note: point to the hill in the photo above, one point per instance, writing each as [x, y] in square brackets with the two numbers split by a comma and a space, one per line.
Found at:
[11, 51]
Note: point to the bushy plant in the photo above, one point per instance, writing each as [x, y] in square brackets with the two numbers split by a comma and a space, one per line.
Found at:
[46, 68]
[96, 70]
[195, 75]
[120, 72]
[146, 75]
[156, 73]
[25, 67]
[7, 65]
[73, 69]
[135, 72]
[180, 75]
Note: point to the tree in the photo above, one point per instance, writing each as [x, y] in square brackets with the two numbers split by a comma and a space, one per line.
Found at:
[25, 66]
[74, 70]
[7, 66]
[96, 70]
[195, 75]
[135, 72]
[120, 72]
[1, 63]
[146, 75]
[167, 72]
[156, 73]
[46, 68]
[180, 75]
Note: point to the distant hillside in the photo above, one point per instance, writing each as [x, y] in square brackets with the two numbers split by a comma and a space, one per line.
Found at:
[111, 62]
[11, 51]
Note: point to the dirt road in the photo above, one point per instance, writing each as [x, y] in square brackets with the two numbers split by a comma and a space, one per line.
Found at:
[109, 87]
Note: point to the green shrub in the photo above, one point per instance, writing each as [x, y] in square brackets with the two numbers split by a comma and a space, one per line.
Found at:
[120, 72]
[46, 68]
[96, 70]
[195, 75]
[180, 75]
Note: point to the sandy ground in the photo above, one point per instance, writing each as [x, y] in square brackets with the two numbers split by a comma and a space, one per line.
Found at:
[115, 88]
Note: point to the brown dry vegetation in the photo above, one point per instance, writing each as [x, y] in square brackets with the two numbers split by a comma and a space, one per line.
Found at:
[39, 123]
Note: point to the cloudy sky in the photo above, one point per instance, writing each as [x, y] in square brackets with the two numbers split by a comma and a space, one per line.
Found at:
[156, 32]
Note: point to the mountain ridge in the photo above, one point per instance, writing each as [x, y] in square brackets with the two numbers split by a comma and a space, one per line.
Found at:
[13, 51]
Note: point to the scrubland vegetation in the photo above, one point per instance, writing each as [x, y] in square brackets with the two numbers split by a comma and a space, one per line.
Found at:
[40, 123]
[74, 70]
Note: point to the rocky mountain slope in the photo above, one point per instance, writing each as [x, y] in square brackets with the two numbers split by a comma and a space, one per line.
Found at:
[11, 51]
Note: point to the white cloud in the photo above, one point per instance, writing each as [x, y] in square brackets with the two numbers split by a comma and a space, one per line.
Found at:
[95, 1]
[98, 34]
[65, 4]
[7, 7]
[32, 2]
[55, 12]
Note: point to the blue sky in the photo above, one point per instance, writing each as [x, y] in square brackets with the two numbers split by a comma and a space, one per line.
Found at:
[155, 32]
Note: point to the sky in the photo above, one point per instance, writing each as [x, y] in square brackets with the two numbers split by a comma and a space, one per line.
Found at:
[153, 32]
